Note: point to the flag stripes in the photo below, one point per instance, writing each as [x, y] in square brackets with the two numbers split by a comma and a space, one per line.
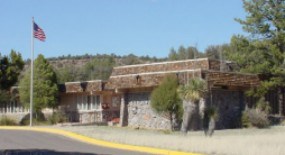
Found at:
[39, 33]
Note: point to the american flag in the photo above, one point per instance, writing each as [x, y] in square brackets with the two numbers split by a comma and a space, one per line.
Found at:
[39, 33]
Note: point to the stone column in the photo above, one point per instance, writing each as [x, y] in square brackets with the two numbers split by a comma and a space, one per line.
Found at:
[123, 111]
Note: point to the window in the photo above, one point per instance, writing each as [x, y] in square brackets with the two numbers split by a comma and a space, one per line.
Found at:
[87, 102]
[84, 102]
[96, 102]
[79, 102]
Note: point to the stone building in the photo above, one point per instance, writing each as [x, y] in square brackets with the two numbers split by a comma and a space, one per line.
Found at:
[135, 83]
[125, 96]
[88, 102]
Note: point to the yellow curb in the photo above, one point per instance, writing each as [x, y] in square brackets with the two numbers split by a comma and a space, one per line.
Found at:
[100, 142]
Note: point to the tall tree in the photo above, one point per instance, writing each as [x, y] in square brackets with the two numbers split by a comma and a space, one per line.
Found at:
[165, 99]
[217, 51]
[192, 53]
[45, 86]
[10, 68]
[172, 55]
[184, 53]
[264, 50]
[67, 74]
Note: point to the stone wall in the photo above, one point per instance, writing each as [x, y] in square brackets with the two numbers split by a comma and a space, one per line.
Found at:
[148, 80]
[140, 113]
[230, 106]
[109, 115]
[90, 117]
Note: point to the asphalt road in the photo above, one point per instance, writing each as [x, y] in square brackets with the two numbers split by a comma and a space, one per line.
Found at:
[17, 142]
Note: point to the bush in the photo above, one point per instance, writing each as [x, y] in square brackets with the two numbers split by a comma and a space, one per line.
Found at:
[56, 118]
[38, 119]
[263, 105]
[165, 99]
[255, 118]
[7, 121]
[212, 112]
[283, 123]
[245, 120]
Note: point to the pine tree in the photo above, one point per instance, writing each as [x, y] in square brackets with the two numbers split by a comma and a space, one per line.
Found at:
[10, 68]
[264, 51]
[45, 86]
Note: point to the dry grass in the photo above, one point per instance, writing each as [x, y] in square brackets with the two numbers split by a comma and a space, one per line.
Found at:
[224, 142]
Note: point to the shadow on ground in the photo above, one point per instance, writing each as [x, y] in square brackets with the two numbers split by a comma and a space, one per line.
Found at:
[42, 152]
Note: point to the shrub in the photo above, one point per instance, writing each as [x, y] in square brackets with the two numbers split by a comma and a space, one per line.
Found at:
[212, 112]
[283, 123]
[245, 120]
[263, 105]
[165, 99]
[7, 121]
[209, 120]
[255, 118]
[38, 119]
[56, 117]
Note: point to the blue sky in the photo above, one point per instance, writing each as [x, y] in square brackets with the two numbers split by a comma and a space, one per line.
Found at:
[140, 27]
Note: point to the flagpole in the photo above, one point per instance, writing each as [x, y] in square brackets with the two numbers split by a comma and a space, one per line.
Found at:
[32, 74]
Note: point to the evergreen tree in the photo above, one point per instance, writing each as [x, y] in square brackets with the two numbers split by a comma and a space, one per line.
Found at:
[172, 55]
[217, 51]
[66, 74]
[165, 99]
[182, 54]
[99, 68]
[10, 68]
[264, 51]
[45, 86]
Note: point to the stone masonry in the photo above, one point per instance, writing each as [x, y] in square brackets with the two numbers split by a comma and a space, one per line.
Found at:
[230, 105]
[141, 114]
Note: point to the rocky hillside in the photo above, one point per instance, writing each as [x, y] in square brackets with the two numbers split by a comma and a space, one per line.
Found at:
[80, 61]
[92, 67]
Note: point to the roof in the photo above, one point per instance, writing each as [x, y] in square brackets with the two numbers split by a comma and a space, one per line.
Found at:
[150, 75]
[217, 78]
[85, 86]
[151, 79]
[201, 63]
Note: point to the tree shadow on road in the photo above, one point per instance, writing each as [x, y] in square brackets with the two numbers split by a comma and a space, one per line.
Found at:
[41, 152]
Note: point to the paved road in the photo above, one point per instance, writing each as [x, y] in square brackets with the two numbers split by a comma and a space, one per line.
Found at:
[17, 142]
